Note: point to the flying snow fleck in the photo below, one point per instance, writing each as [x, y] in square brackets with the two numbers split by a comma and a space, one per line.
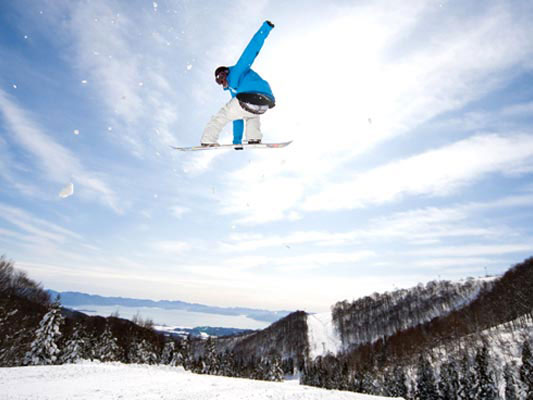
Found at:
[84, 82]
[25, 36]
[141, 84]
[14, 86]
[109, 128]
[67, 191]
[189, 67]
[76, 131]
[155, 5]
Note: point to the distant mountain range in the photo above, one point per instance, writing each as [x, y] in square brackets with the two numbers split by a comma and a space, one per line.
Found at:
[74, 299]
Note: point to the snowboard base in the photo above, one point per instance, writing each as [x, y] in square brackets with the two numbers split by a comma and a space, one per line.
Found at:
[235, 146]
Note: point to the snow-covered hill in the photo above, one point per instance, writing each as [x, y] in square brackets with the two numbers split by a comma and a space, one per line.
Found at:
[322, 334]
[97, 381]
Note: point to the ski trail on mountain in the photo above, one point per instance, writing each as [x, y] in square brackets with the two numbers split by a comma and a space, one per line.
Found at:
[323, 337]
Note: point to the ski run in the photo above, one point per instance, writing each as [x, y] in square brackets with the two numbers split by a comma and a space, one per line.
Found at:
[91, 380]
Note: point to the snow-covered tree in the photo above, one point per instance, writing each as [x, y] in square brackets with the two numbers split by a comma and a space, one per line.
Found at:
[511, 392]
[227, 365]
[448, 381]
[44, 348]
[484, 385]
[107, 348]
[185, 355]
[466, 379]
[211, 364]
[395, 382]
[426, 387]
[526, 370]
[142, 352]
[275, 373]
[168, 352]
[75, 346]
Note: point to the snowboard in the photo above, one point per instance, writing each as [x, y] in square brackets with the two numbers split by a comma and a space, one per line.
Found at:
[236, 146]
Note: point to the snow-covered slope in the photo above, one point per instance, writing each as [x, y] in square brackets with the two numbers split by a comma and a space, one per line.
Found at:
[323, 337]
[96, 381]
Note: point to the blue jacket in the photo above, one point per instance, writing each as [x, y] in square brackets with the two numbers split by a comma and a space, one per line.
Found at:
[242, 79]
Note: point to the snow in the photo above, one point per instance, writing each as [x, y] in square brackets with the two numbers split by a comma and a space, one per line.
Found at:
[96, 381]
[67, 191]
[323, 337]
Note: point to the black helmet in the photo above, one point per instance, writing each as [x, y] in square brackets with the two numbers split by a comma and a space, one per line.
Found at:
[221, 73]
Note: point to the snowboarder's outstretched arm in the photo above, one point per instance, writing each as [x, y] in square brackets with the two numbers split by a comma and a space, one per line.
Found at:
[252, 50]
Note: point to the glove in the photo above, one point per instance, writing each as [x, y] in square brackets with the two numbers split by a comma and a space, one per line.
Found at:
[270, 23]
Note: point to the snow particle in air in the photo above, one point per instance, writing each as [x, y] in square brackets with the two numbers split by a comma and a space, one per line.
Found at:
[189, 67]
[14, 86]
[84, 82]
[67, 191]
[76, 131]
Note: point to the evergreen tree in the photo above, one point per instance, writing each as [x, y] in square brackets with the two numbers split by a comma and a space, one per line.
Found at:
[526, 370]
[466, 379]
[227, 366]
[186, 355]
[395, 382]
[177, 359]
[484, 385]
[142, 352]
[448, 381]
[260, 369]
[275, 373]
[511, 392]
[75, 346]
[44, 348]
[168, 352]
[107, 348]
[426, 387]
[211, 365]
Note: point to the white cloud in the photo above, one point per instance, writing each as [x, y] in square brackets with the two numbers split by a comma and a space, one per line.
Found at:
[473, 250]
[57, 162]
[433, 173]
[174, 247]
[179, 211]
[35, 229]
[356, 67]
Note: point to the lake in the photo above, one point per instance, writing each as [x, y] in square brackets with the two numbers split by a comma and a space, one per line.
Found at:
[179, 318]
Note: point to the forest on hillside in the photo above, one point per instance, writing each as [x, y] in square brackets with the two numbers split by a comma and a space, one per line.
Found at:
[442, 340]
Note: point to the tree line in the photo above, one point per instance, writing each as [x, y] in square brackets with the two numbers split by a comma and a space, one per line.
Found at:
[36, 330]
[467, 375]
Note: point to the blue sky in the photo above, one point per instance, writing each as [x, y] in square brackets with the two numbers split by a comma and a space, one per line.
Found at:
[412, 157]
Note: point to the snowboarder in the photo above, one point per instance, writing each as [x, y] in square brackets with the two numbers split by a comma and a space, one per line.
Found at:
[251, 96]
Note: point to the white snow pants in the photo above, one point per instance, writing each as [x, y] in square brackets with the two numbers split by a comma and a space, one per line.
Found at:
[230, 112]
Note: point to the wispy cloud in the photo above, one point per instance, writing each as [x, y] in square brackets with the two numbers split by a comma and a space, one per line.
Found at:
[34, 228]
[474, 250]
[433, 173]
[57, 163]
[386, 93]
[171, 246]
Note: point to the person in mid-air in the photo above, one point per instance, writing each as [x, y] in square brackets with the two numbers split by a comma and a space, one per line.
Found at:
[251, 96]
